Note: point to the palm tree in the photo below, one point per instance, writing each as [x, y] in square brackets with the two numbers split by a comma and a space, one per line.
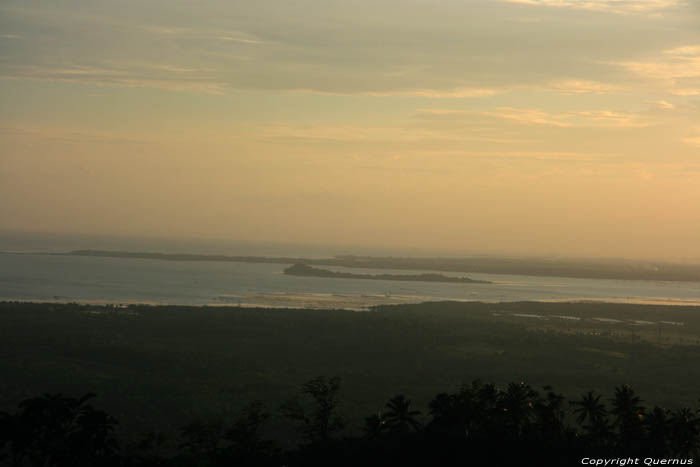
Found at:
[685, 432]
[657, 424]
[550, 413]
[629, 414]
[518, 404]
[399, 417]
[590, 409]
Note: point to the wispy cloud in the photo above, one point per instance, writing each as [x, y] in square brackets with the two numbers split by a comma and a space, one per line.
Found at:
[592, 118]
[67, 135]
[693, 140]
[199, 34]
[686, 92]
[678, 69]
[583, 87]
[610, 118]
[613, 6]
[662, 105]
[564, 156]
[455, 93]
[350, 133]
[159, 76]
[530, 116]
[584, 118]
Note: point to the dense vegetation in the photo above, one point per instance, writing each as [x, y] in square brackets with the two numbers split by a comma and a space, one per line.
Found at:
[480, 424]
[156, 368]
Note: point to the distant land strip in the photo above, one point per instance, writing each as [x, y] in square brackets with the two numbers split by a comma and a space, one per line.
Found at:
[583, 269]
[305, 270]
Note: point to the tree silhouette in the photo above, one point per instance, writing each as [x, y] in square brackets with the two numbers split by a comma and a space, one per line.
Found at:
[589, 408]
[657, 423]
[400, 418]
[629, 415]
[685, 432]
[592, 412]
[375, 426]
[550, 414]
[247, 444]
[477, 425]
[53, 430]
[202, 439]
[319, 424]
[518, 406]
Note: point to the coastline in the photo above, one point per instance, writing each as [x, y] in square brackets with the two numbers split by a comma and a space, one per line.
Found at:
[257, 303]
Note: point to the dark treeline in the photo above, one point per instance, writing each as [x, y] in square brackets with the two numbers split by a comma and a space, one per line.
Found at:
[561, 267]
[479, 424]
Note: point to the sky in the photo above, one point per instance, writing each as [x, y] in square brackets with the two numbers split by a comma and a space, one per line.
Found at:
[563, 127]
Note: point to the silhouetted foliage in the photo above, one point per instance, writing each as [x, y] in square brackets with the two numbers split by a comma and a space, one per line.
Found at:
[319, 423]
[400, 418]
[53, 430]
[479, 424]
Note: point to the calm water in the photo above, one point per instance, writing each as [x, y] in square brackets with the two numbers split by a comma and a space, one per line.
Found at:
[112, 280]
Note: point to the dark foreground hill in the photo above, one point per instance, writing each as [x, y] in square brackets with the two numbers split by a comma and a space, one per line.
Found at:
[157, 368]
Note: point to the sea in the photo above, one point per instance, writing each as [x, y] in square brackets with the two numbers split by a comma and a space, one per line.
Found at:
[31, 271]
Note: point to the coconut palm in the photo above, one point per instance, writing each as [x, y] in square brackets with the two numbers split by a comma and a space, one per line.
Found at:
[550, 413]
[589, 409]
[629, 415]
[400, 417]
[518, 406]
[657, 424]
[685, 433]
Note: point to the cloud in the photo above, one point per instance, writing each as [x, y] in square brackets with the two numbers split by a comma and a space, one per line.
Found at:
[610, 118]
[456, 93]
[563, 156]
[693, 141]
[203, 34]
[592, 118]
[569, 119]
[204, 80]
[530, 116]
[364, 48]
[66, 135]
[678, 69]
[583, 87]
[159, 76]
[662, 105]
[670, 70]
[612, 6]
[685, 51]
[686, 92]
[352, 133]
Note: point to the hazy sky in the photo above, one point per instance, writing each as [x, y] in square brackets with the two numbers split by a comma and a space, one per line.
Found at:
[516, 126]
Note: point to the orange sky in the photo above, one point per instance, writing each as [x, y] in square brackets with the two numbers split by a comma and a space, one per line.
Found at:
[513, 126]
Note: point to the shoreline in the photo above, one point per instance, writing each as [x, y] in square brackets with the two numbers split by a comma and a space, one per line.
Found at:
[256, 304]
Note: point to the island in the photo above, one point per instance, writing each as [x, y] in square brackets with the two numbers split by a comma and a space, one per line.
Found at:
[300, 269]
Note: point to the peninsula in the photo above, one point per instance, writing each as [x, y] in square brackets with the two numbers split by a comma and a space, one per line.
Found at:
[300, 269]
